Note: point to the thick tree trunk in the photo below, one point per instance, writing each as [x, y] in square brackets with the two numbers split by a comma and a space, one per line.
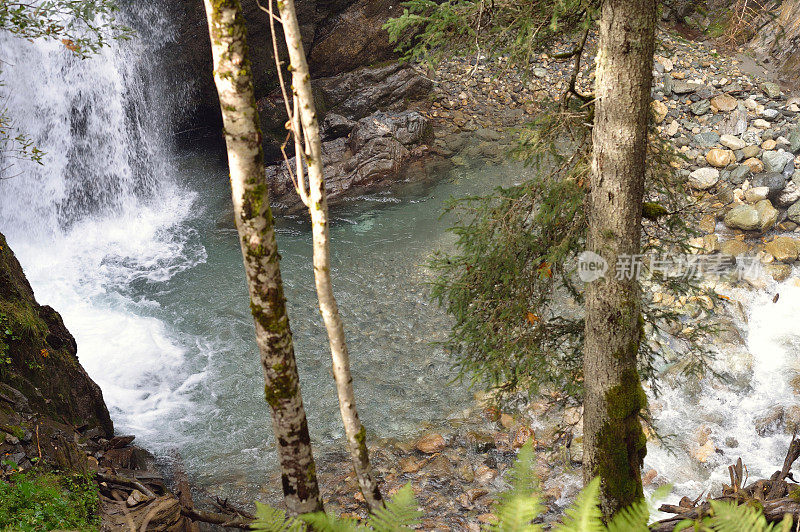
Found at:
[614, 443]
[316, 199]
[232, 73]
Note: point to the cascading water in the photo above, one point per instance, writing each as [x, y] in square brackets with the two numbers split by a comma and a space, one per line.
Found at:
[135, 246]
[102, 212]
[749, 414]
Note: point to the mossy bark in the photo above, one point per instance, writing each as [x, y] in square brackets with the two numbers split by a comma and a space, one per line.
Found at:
[614, 443]
[232, 74]
[316, 199]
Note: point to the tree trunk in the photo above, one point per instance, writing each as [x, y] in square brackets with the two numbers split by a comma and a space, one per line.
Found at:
[232, 74]
[614, 443]
[316, 200]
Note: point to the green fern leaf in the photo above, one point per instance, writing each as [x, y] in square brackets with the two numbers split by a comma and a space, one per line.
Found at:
[269, 519]
[521, 476]
[517, 515]
[633, 518]
[584, 515]
[400, 513]
[519, 505]
[322, 522]
[732, 517]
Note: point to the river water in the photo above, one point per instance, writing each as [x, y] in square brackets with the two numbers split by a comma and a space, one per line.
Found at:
[133, 242]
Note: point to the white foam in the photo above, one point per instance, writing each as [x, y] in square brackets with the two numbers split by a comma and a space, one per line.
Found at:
[761, 371]
[100, 214]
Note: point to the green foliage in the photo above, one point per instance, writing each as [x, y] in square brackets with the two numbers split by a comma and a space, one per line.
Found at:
[731, 517]
[511, 284]
[83, 26]
[584, 515]
[275, 520]
[436, 27]
[37, 500]
[427, 29]
[7, 337]
[519, 507]
[399, 515]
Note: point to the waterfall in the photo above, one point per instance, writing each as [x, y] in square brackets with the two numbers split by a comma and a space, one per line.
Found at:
[103, 212]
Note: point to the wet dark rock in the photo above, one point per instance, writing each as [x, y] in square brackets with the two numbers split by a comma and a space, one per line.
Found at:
[335, 126]
[44, 368]
[374, 156]
[349, 30]
[774, 181]
[360, 93]
[354, 36]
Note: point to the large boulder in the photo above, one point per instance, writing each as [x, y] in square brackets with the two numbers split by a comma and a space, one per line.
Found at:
[39, 368]
[353, 37]
[375, 155]
[363, 91]
[348, 33]
[744, 217]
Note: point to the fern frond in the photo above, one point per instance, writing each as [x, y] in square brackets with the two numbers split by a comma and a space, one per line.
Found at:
[521, 476]
[269, 519]
[400, 513]
[633, 518]
[732, 517]
[584, 515]
[636, 517]
[519, 505]
[516, 514]
[322, 522]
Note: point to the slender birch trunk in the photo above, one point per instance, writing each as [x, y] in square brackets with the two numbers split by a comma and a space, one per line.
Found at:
[614, 443]
[316, 200]
[232, 74]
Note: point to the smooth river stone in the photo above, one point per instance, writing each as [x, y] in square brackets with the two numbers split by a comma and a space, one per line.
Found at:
[704, 178]
[755, 165]
[724, 102]
[767, 215]
[783, 248]
[775, 161]
[733, 143]
[660, 111]
[774, 181]
[720, 158]
[744, 217]
[772, 90]
[793, 213]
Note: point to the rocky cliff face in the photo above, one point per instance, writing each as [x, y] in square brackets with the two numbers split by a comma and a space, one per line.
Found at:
[39, 370]
[339, 35]
[779, 42]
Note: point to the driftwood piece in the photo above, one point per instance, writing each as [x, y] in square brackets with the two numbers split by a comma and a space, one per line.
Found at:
[125, 481]
[162, 514]
[224, 520]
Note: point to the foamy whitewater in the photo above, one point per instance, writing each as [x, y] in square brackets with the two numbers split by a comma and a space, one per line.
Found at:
[101, 213]
[133, 244]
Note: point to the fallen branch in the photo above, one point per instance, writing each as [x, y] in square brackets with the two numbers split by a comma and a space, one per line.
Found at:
[125, 481]
[224, 520]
